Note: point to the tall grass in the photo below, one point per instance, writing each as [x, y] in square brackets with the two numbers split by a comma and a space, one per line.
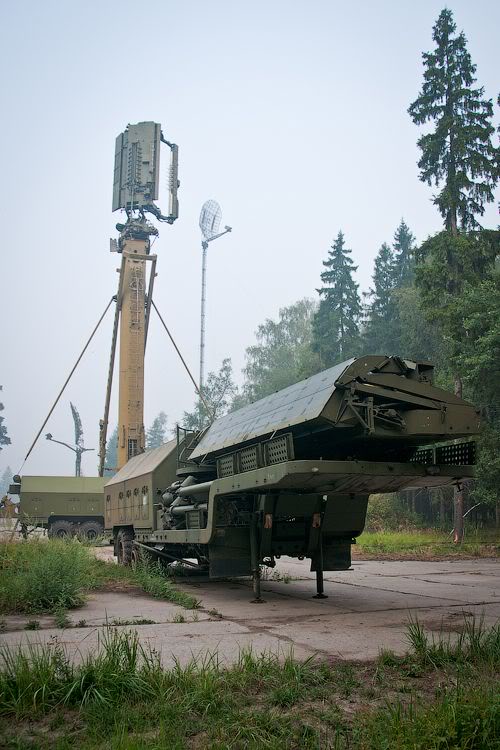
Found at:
[460, 719]
[122, 694]
[474, 644]
[39, 576]
[50, 576]
[150, 575]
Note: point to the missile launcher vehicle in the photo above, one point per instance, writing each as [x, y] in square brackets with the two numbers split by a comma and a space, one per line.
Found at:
[291, 474]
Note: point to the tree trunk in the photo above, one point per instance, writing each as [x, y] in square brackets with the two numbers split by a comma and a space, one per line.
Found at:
[458, 514]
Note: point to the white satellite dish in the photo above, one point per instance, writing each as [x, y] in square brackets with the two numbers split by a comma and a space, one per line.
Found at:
[210, 218]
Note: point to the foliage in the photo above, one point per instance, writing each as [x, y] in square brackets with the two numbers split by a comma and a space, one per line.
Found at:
[282, 354]
[156, 434]
[487, 484]
[112, 453]
[218, 393]
[458, 153]
[389, 512]
[419, 338]
[336, 324]
[460, 289]
[476, 323]
[4, 438]
[39, 576]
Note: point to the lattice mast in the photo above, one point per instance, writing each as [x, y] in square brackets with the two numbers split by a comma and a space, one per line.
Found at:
[135, 188]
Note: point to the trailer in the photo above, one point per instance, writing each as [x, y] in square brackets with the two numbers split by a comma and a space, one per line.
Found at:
[291, 474]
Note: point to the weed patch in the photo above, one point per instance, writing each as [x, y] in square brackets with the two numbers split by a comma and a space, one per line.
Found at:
[150, 576]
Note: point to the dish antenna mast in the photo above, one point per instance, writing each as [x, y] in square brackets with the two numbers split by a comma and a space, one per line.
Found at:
[210, 218]
[135, 188]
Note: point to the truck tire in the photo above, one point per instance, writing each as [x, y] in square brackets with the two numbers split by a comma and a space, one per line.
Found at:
[61, 530]
[124, 546]
[90, 530]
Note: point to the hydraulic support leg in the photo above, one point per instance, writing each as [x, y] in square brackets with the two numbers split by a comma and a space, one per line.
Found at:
[254, 555]
[319, 571]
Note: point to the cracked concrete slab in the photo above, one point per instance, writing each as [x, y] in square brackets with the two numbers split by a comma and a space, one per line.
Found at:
[367, 610]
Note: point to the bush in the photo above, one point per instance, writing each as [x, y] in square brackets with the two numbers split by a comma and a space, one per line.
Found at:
[43, 576]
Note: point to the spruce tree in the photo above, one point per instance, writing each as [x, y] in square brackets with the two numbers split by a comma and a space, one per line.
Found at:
[380, 333]
[458, 153]
[404, 255]
[336, 324]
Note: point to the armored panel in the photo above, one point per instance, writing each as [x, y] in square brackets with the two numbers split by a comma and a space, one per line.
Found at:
[249, 458]
[278, 450]
[137, 166]
[454, 454]
[298, 403]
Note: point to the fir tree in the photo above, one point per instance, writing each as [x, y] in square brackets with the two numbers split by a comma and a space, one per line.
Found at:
[380, 333]
[404, 255]
[336, 324]
[155, 436]
[4, 438]
[458, 153]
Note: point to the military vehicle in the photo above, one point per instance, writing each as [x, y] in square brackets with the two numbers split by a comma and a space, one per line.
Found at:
[291, 474]
[65, 506]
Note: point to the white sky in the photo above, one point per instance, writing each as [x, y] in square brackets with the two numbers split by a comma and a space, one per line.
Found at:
[291, 114]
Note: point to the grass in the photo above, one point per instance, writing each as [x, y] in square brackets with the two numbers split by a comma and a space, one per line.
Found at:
[150, 576]
[442, 695]
[40, 576]
[422, 543]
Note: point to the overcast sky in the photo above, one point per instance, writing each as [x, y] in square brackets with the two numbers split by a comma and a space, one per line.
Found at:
[291, 114]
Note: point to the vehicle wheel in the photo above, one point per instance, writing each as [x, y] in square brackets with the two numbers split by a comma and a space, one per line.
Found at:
[90, 530]
[61, 530]
[125, 546]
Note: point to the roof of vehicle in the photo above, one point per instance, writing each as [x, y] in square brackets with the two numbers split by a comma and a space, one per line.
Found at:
[144, 463]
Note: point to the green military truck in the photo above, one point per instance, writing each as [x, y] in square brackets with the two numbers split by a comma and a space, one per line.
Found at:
[65, 506]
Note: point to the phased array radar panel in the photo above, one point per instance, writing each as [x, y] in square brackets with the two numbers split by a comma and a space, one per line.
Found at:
[137, 166]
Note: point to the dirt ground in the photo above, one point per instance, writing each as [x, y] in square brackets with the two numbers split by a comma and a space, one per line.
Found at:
[367, 610]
